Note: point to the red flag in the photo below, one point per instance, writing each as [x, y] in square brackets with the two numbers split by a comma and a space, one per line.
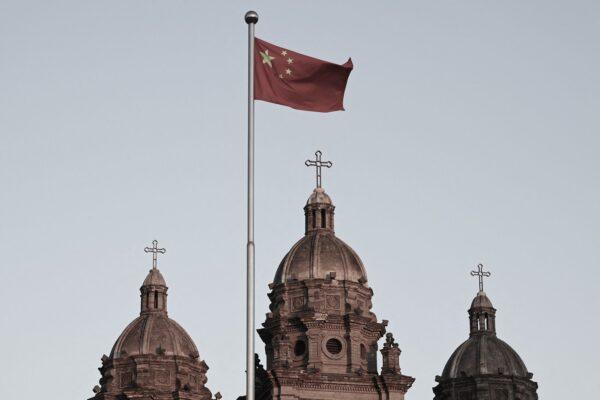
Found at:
[292, 79]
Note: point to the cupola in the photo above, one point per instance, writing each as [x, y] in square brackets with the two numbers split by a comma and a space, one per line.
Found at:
[154, 289]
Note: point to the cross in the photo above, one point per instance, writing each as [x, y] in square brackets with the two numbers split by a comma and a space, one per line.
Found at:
[318, 164]
[154, 250]
[480, 273]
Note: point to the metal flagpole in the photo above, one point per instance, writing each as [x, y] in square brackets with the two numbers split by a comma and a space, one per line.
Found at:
[251, 19]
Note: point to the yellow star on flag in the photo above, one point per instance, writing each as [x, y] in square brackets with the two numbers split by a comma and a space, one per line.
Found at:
[266, 58]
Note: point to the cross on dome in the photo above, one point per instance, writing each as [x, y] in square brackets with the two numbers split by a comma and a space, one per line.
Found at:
[154, 250]
[481, 274]
[318, 164]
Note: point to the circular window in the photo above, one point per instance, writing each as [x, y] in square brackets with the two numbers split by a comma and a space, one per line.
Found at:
[300, 348]
[334, 346]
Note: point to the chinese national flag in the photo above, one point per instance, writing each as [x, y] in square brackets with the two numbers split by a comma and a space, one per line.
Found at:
[292, 79]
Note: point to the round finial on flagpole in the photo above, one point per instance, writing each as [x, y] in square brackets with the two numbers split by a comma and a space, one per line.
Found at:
[251, 17]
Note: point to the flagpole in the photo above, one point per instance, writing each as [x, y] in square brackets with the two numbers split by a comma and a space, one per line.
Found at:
[251, 19]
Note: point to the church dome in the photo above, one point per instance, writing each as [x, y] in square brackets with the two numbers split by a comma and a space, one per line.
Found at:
[318, 255]
[483, 363]
[154, 334]
[483, 355]
[154, 357]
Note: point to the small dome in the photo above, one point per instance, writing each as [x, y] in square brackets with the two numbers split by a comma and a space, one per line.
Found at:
[154, 333]
[318, 254]
[318, 196]
[481, 301]
[483, 355]
[155, 278]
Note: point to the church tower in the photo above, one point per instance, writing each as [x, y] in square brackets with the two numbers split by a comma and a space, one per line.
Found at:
[320, 335]
[154, 358]
[484, 367]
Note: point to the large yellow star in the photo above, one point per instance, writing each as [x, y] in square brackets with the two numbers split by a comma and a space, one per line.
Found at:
[266, 58]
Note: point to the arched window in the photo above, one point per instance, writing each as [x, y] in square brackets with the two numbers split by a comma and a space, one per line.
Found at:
[300, 348]
[363, 351]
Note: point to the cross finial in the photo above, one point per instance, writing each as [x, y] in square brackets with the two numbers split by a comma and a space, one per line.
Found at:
[480, 273]
[318, 163]
[154, 250]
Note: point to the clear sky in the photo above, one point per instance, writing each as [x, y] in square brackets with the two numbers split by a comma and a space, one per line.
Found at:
[471, 135]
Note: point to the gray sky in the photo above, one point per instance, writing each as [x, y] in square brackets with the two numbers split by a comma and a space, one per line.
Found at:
[471, 135]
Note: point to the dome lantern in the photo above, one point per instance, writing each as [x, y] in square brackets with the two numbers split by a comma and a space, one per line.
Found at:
[482, 314]
[153, 292]
[318, 212]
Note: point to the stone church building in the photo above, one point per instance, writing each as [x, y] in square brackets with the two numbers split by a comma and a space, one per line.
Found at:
[320, 337]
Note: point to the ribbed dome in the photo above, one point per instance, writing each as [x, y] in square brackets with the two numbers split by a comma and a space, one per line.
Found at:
[154, 333]
[482, 355]
[316, 255]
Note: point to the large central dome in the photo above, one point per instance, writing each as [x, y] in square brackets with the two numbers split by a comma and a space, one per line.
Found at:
[317, 255]
[320, 253]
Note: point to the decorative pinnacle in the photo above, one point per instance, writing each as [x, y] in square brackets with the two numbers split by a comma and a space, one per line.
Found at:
[480, 273]
[318, 163]
[251, 17]
[154, 250]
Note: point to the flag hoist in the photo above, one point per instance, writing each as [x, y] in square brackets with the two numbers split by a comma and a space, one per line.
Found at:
[251, 19]
[281, 76]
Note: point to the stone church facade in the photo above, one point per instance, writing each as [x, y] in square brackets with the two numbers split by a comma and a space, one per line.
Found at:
[320, 336]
